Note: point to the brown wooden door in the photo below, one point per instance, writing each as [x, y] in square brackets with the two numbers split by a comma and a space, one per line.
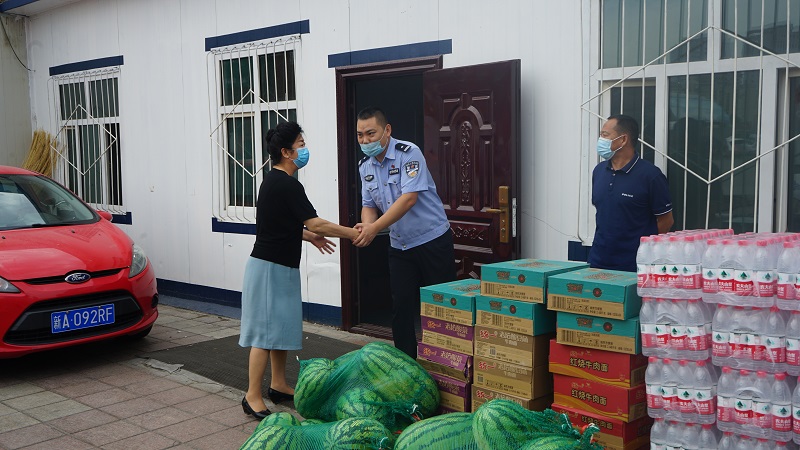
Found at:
[472, 150]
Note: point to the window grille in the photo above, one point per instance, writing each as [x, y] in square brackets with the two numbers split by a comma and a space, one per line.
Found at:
[85, 108]
[252, 88]
[712, 84]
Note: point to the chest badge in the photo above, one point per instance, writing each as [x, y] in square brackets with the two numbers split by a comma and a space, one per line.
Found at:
[394, 171]
[412, 168]
[369, 178]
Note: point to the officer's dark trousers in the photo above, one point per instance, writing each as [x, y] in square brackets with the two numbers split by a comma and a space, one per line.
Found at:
[424, 265]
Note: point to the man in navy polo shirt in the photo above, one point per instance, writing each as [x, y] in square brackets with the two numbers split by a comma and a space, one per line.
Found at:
[630, 194]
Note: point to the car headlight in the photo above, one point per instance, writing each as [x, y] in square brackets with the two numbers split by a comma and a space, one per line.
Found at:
[7, 287]
[138, 262]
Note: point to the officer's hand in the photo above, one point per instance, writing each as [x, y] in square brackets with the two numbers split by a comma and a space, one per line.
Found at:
[368, 232]
[323, 245]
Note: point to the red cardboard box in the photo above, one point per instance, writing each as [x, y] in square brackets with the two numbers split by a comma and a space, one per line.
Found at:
[617, 369]
[625, 404]
[445, 362]
[614, 434]
[454, 394]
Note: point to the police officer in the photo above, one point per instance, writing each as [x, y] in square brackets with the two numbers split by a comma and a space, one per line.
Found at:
[398, 193]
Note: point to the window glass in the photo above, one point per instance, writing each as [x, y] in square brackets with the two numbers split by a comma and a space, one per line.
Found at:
[103, 95]
[237, 81]
[89, 136]
[793, 203]
[240, 151]
[114, 187]
[704, 137]
[276, 72]
[72, 98]
[781, 25]
[630, 100]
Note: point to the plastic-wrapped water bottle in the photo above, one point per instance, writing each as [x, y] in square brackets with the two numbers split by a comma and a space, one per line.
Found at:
[763, 444]
[675, 260]
[726, 396]
[793, 344]
[696, 339]
[663, 321]
[658, 434]
[726, 293]
[727, 441]
[741, 338]
[764, 275]
[707, 440]
[781, 408]
[677, 329]
[644, 266]
[743, 272]
[669, 386]
[705, 392]
[796, 414]
[744, 443]
[743, 404]
[774, 340]
[753, 338]
[721, 329]
[652, 380]
[660, 267]
[647, 326]
[711, 260]
[691, 436]
[787, 271]
[762, 403]
[686, 392]
[691, 273]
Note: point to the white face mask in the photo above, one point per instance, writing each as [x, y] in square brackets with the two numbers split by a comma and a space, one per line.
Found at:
[373, 148]
[604, 147]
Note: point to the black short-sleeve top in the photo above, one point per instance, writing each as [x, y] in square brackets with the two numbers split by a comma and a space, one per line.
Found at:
[281, 209]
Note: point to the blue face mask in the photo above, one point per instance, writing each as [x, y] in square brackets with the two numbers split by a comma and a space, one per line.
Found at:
[302, 157]
[373, 148]
[604, 147]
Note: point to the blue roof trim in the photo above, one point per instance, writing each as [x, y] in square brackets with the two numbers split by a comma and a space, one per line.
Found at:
[87, 65]
[122, 219]
[406, 51]
[231, 227]
[11, 4]
[286, 29]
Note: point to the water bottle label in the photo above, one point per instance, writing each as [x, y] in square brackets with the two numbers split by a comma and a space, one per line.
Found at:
[741, 345]
[796, 419]
[677, 337]
[793, 351]
[686, 400]
[660, 276]
[756, 346]
[761, 413]
[649, 339]
[696, 338]
[784, 289]
[710, 280]
[669, 397]
[765, 283]
[720, 344]
[705, 401]
[775, 348]
[642, 275]
[654, 399]
[674, 276]
[782, 418]
[725, 280]
[725, 409]
[743, 282]
[662, 335]
[691, 276]
[743, 411]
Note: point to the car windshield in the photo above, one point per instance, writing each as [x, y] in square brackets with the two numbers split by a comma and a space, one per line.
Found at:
[28, 201]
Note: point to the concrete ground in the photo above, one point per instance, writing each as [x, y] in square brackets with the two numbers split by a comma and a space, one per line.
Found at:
[109, 398]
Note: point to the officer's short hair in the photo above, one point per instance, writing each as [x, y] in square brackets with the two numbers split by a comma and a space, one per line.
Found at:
[627, 125]
[373, 111]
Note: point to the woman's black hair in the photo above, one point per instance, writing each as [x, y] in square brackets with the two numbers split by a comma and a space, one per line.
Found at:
[282, 136]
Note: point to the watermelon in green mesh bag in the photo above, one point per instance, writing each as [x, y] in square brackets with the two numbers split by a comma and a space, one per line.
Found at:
[376, 381]
[279, 432]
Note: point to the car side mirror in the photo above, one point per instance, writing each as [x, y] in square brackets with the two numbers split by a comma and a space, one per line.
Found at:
[105, 215]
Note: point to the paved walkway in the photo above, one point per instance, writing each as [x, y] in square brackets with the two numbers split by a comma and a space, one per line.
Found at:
[107, 397]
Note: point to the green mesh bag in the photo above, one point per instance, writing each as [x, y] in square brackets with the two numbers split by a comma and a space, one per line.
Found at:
[449, 431]
[377, 381]
[282, 431]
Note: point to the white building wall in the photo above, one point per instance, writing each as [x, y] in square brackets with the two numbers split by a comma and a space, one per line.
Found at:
[165, 125]
[15, 114]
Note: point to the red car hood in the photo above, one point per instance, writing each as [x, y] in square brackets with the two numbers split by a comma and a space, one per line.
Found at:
[47, 252]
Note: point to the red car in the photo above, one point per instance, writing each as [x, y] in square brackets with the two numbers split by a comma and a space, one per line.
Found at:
[67, 274]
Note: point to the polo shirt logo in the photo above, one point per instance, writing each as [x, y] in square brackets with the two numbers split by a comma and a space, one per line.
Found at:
[627, 195]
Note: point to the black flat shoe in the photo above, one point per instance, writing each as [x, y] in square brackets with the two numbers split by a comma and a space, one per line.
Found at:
[248, 410]
[278, 396]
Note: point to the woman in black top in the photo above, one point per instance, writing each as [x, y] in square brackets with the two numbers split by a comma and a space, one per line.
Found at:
[272, 320]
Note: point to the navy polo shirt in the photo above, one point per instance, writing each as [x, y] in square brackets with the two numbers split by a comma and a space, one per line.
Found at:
[627, 203]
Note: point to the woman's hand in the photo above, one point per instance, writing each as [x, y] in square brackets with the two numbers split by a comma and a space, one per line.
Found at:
[323, 244]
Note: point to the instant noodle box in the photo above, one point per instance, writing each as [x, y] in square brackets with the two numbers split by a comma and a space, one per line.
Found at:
[454, 394]
[625, 404]
[513, 379]
[614, 434]
[445, 362]
[595, 292]
[522, 279]
[510, 347]
[453, 301]
[482, 395]
[621, 336]
[613, 368]
[514, 315]
[448, 335]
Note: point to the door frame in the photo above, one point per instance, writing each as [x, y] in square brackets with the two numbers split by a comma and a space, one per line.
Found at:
[345, 137]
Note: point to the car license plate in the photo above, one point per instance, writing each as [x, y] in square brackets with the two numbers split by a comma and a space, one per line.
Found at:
[76, 319]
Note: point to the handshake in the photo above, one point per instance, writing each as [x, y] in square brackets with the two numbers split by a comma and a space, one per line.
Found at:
[365, 233]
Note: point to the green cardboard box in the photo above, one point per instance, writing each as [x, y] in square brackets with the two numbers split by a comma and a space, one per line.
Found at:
[453, 301]
[621, 336]
[513, 315]
[595, 292]
[522, 279]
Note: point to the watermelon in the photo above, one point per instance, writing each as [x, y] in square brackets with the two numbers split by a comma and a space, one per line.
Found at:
[358, 433]
[361, 402]
[501, 424]
[556, 442]
[448, 431]
[310, 392]
[272, 437]
[308, 422]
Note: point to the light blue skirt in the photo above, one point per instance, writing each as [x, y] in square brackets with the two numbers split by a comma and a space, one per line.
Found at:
[272, 307]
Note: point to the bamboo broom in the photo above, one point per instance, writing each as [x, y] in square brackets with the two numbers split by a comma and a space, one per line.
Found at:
[41, 156]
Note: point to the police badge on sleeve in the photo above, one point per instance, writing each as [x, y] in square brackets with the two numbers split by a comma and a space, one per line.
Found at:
[412, 168]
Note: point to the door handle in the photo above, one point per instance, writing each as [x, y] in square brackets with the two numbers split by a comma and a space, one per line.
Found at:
[503, 211]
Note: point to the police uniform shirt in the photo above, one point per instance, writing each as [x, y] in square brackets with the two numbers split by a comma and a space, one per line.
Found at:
[404, 170]
[627, 203]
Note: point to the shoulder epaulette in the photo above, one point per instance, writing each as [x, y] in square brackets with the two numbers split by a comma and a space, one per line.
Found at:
[402, 147]
[363, 160]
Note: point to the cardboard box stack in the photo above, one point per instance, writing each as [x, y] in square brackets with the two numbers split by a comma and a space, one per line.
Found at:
[596, 361]
[446, 350]
[513, 328]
